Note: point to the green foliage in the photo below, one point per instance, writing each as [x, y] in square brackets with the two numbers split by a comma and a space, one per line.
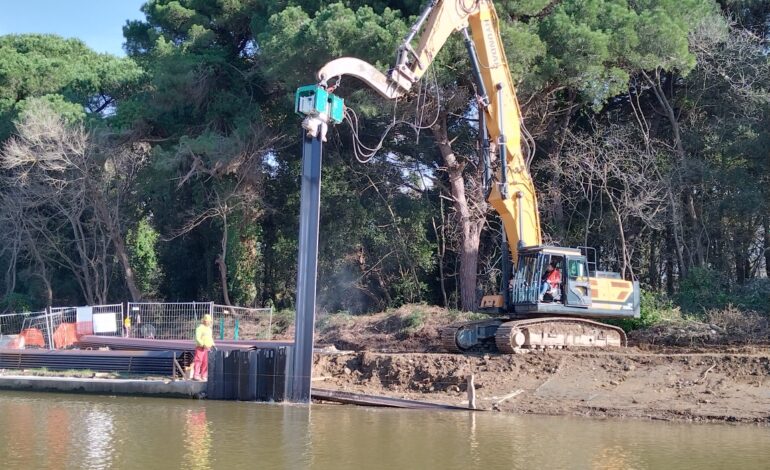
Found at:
[298, 43]
[654, 308]
[594, 46]
[70, 113]
[16, 302]
[243, 259]
[754, 295]
[706, 290]
[703, 289]
[283, 319]
[413, 322]
[65, 72]
[142, 242]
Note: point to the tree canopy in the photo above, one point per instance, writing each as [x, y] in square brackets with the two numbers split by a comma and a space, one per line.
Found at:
[648, 118]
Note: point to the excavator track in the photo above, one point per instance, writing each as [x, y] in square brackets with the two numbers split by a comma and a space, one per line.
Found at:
[476, 336]
[534, 333]
[515, 336]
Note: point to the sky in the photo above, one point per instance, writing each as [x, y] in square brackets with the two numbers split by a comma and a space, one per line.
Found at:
[98, 23]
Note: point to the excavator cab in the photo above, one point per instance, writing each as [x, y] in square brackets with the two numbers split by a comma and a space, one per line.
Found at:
[534, 287]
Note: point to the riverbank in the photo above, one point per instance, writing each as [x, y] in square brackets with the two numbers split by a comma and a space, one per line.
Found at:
[696, 387]
[716, 370]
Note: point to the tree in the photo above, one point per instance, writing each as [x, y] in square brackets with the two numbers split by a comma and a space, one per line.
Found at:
[72, 78]
[63, 181]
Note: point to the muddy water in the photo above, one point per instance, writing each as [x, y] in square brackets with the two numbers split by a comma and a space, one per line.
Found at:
[48, 431]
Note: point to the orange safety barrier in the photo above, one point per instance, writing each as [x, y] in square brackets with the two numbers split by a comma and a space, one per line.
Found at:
[28, 338]
[65, 335]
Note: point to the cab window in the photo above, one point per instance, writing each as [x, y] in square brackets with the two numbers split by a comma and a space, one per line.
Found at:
[576, 269]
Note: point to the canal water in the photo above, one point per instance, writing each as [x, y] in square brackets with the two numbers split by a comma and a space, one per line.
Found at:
[52, 431]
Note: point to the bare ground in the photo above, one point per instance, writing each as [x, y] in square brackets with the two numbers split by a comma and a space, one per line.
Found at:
[683, 372]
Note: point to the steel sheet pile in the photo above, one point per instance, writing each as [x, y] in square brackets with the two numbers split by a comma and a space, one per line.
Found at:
[128, 362]
[179, 345]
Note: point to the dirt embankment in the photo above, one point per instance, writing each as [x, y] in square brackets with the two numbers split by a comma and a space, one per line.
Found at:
[660, 379]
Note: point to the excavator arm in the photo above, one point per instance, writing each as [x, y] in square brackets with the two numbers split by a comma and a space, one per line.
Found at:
[512, 193]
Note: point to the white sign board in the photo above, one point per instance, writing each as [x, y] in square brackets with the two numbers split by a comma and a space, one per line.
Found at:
[84, 317]
[105, 323]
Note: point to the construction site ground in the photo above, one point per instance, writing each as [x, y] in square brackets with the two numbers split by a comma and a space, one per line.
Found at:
[681, 371]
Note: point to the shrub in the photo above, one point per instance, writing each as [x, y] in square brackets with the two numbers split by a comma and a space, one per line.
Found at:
[703, 289]
[654, 307]
[282, 320]
[332, 320]
[754, 295]
[412, 322]
[15, 302]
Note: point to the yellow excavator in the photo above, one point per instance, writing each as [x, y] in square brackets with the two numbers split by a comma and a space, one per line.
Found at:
[534, 308]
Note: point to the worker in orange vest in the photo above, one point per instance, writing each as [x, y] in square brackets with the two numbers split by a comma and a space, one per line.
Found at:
[204, 341]
[552, 280]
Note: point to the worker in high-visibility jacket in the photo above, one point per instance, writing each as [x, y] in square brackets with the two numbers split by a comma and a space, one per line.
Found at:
[204, 341]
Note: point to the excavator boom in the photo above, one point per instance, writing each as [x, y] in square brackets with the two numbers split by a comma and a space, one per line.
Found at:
[512, 194]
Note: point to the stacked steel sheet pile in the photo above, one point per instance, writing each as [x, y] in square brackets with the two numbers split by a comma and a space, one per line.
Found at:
[127, 362]
[179, 345]
[137, 356]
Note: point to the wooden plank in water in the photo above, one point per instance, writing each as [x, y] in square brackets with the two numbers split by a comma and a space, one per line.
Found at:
[372, 400]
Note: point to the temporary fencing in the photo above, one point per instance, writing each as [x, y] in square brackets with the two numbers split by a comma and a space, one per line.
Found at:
[11, 323]
[12, 326]
[178, 320]
[169, 320]
[59, 327]
[242, 323]
[104, 320]
[38, 331]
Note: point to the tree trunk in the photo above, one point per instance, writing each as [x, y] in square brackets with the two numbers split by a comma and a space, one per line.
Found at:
[766, 224]
[440, 250]
[559, 219]
[118, 242]
[42, 272]
[470, 223]
[653, 276]
[222, 264]
[690, 213]
[670, 261]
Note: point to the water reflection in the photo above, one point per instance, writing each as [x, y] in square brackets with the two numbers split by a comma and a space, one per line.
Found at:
[197, 440]
[18, 432]
[73, 432]
[57, 438]
[97, 438]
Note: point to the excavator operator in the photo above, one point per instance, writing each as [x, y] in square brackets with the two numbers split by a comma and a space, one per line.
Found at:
[551, 281]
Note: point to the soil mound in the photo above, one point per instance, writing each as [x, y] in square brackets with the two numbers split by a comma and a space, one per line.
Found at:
[729, 327]
[411, 328]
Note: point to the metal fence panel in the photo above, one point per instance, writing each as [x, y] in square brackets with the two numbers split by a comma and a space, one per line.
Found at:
[108, 320]
[104, 320]
[11, 323]
[45, 324]
[242, 322]
[11, 326]
[167, 320]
